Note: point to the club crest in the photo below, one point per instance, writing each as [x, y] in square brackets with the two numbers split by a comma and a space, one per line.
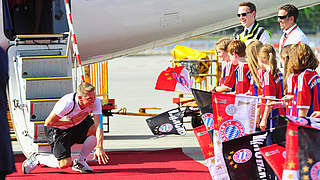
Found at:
[165, 127]
[208, 120]
[315, 171]
[242, 156]
[231, 129]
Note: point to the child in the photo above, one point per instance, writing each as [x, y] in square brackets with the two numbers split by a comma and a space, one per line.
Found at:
[284, 58]
[272, 87]
[231, 68]
[237, 70]
[256, 73]
[303, 63]
[221, 48]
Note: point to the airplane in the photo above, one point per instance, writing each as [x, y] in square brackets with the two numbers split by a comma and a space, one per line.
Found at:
[36, 36]
[111, 29]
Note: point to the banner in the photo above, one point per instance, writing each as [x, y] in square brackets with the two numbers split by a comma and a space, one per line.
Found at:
[275, 157]
[243, 158]
[175, 79]
[291, 164]
[234, 115]
[309, 156]
[206, 146]
[204, 102]
[169, 122]
[205, 141]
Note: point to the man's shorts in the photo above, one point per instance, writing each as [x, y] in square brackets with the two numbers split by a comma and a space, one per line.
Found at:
[61, 141]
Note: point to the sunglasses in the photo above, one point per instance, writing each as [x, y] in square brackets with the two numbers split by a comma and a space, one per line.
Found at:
[243, 14]
[283, 17]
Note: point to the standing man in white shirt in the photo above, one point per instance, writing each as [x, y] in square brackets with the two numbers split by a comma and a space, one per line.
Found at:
[292, 34]
[252, 30]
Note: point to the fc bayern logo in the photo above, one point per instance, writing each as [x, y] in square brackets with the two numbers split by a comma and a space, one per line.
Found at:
[231, 109]
[242, 156]
[208, 120]
[165, 127]
[231, 129]
[315, 171]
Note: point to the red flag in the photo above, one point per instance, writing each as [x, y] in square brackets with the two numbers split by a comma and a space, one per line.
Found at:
[275, 156]
[291, 165]
[205, 141]
[234, 116]
[174, 79]
[206, 146]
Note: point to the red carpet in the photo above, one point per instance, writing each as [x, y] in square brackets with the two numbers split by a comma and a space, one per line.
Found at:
[163, 164]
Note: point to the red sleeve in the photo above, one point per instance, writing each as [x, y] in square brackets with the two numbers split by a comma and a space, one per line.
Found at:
[269, 85]
[304, 92]
[230, 75]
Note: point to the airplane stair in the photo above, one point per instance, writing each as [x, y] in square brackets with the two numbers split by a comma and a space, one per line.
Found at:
[40, 74]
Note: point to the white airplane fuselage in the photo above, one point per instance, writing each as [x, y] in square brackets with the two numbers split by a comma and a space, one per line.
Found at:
[108, 29]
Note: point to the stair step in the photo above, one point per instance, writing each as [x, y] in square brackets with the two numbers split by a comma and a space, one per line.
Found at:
[40, 52]
[53, 87]
[45, 66]
[41, 108]
[38, 133]
[40, 36]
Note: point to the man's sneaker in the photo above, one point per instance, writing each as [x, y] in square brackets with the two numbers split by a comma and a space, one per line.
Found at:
[82, 166]
[30, 164]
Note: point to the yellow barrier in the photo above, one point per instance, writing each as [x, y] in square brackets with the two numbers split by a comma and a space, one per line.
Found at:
[97, 75]
[202, 60]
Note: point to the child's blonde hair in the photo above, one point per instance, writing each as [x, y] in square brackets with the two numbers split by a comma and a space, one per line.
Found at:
[222, 44]
[252, 54]
[285, 51]
[267, 52]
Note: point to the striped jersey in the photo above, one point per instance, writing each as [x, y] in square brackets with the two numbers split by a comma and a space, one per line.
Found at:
[272, 87]
[306, 92]
[243, 78]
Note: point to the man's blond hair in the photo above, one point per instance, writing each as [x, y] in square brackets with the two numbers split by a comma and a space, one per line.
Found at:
[85, 88]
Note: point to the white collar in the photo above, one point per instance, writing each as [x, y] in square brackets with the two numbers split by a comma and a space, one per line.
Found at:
[249, 28]
[288, 30]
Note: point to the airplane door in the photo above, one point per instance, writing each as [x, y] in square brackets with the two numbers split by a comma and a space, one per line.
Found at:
[34, 17]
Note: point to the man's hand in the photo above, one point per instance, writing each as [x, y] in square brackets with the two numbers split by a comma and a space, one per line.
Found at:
[100, 156]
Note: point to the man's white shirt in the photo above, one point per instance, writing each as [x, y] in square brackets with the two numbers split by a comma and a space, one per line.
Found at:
[65, 105]
[293, 38]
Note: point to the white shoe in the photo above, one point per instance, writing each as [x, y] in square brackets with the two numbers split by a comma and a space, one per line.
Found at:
[30, 164]
[81, 166]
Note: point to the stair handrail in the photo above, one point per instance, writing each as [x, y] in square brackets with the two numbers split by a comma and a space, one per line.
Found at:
[74, 40]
